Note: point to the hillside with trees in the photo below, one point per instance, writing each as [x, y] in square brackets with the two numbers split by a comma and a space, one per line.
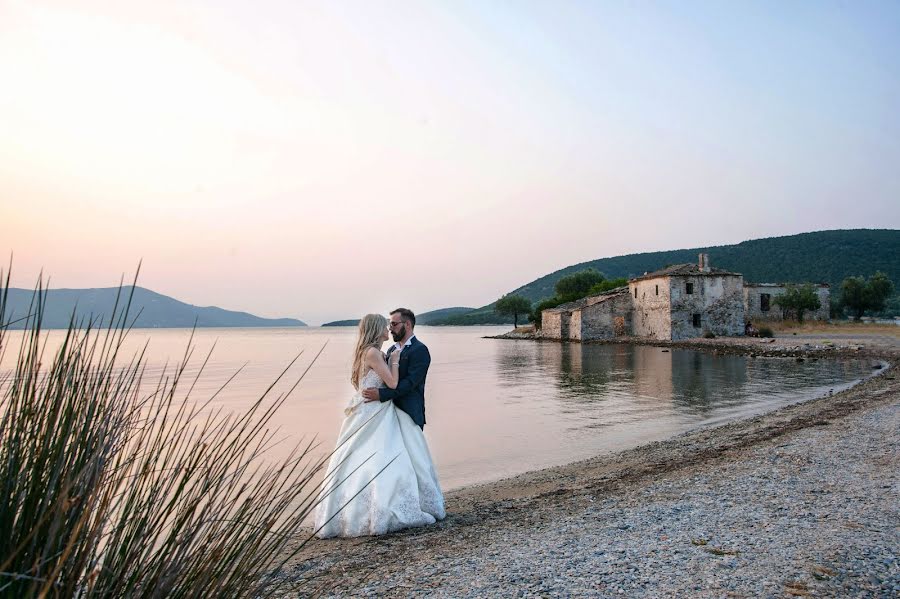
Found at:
[819, 257]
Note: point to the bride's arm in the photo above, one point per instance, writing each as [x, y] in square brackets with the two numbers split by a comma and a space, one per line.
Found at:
[389, 372]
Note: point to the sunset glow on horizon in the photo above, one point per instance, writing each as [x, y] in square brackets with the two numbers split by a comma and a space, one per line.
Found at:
[322, 160]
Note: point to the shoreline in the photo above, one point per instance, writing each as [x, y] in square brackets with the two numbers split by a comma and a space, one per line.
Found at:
[838, 344]
[477, 512]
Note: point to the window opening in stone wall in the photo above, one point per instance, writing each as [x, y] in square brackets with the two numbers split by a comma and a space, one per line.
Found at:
[635, 293]
[697, 320]
[657, 290]
[765, 302]
[689, 288]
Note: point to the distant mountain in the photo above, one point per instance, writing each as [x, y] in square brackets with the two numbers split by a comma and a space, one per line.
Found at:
[342, 323]
[436, 315]
[152, 310]
[819, 257]
[480, 316]
[423, 318]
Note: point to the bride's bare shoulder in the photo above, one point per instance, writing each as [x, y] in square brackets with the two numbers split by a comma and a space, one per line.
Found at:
[373, 354]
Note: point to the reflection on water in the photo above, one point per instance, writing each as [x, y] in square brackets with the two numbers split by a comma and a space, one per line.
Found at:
[593, 380]
[498, 408]
[578, 401]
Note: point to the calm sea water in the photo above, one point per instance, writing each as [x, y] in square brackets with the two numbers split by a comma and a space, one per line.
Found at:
[497, 408]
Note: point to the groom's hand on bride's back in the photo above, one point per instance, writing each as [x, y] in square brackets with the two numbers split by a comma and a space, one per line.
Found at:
[371, 394]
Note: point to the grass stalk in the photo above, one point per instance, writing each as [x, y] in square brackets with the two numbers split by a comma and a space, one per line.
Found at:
[115, 486]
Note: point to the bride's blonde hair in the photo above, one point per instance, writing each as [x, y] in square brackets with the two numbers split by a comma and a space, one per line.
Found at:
[371, 327]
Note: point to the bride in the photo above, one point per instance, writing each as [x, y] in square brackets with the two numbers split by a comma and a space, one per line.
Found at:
[380, 477]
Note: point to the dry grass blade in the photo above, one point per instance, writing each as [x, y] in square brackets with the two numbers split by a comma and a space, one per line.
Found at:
[114, 489]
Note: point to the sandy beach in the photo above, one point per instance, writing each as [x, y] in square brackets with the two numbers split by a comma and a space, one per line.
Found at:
[801, 501]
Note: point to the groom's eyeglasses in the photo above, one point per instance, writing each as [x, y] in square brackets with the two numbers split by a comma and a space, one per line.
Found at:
[395, 324]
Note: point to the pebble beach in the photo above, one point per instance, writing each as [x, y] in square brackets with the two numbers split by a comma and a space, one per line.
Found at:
[802, 501]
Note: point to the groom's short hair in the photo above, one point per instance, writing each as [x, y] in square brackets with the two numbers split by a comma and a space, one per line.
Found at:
[406, 314]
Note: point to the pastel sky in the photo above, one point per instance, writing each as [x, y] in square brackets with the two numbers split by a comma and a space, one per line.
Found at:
[321, 160]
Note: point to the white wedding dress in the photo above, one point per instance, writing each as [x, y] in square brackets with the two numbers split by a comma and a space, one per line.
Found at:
[380, 477]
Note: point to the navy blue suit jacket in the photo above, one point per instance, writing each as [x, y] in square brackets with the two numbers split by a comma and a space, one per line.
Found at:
[409, 395]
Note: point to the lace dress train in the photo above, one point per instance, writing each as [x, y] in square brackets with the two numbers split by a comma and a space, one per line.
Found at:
[380, 477]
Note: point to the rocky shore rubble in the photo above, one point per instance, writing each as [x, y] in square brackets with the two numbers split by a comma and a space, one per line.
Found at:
[801, 501]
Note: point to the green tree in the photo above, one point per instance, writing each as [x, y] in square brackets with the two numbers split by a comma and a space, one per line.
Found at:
[608, 285]
[853, 295]
[859, 295]
[578, 285]
[513, 305]
[574, 287]
[799, 299]
[892, 306]
[878, 290]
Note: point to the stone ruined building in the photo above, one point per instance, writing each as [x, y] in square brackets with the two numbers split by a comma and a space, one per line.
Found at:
[598, 317]
[688, 300]
[759, 302]
[677, 302]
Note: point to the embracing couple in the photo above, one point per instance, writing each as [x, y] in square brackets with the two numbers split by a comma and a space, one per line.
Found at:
[381, 477]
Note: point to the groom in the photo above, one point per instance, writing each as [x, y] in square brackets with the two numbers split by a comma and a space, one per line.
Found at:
[409, 395]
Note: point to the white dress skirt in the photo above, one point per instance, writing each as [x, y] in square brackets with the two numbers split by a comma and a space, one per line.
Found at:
[380, 477]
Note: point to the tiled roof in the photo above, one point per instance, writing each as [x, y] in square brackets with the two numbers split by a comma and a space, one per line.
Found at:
[588, 301]
[746, 284]
[685, 270]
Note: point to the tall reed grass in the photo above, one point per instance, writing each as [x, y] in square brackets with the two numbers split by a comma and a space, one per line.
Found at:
[116, 486]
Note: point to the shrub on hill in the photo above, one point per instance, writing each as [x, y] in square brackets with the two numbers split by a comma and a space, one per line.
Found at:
[822, 256]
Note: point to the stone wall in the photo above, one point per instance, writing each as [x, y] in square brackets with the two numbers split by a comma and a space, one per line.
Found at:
[824, 311]
[716, 305]
[650, 299]
[551, 324]
[753, 302]
[574, 326]
[565, 325]
[556, 324]
[598, 321]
